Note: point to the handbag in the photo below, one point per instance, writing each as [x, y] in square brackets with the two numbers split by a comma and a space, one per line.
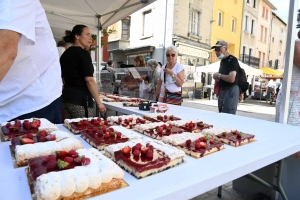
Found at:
[174, 98]
[216, 88]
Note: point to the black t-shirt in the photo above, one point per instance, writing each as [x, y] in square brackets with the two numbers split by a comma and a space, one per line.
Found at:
[227, 65]
[76, 64]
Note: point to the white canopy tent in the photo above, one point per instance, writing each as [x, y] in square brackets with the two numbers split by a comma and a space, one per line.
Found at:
[214, 67]
[96, 14]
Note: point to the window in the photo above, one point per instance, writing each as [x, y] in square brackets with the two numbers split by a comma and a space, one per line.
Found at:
[272, 39]
[244, 50]
[220, 18]
[263, 12]
[194, 23]
[267, 13]
[250, 51]
[259, 55]
[252, 26]
[125, 28]
[281, 35]
[148, 23]
[279, 55]
[263, 59]
[233, 25]
[266, 31]
[254, 3]
[261, 33]
[248, 1]
[246, 22]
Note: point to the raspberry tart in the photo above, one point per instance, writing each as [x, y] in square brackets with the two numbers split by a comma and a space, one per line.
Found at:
[100, 138]
[144, 158]
[73, 175]
[23, 151]
[127, 121]
[191, 125]
[17, 127]
[157, 130]
[79, 125]
[230, 136]
[155, 117]
[194, 144]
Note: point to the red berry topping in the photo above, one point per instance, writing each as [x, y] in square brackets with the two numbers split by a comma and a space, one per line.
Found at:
[188, 142]
[126, 150]
[149, 154]
[136, 153]
[86, 161]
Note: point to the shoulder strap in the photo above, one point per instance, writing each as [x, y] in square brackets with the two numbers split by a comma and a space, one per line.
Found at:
[165, 73]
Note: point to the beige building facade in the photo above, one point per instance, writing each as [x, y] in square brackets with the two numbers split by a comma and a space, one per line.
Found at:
[277, 43]
[249, 34]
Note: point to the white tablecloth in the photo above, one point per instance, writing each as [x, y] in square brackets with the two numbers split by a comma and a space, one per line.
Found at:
[196, 176]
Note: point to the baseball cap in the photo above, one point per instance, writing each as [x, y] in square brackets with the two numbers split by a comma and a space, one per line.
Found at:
[220, 43]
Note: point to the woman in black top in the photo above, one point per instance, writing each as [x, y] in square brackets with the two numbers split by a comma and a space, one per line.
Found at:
[77, 69]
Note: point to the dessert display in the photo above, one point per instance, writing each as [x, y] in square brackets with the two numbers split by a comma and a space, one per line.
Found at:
[157, 130]
[26, 148]
[230, 136]
[79, 125]
[194, 144]
[129, 99]
[144, 158]
[193, 126]
[156, 117]
[17, 127]
[108, 99]
[100, 138]
[127, 121]
[73, 175]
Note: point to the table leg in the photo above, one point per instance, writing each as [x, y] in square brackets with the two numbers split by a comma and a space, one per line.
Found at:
[277, 187]
[220, 191]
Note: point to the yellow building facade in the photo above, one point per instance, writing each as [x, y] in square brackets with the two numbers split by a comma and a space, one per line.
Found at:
[226, 25]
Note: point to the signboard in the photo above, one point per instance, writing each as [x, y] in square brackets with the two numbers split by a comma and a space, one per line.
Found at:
[193, 51]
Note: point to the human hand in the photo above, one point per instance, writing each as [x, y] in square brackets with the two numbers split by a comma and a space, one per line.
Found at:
[215, 76]
[102, 108]
[168, 71]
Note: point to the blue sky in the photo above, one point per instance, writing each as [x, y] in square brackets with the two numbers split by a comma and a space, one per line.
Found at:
[282, 8]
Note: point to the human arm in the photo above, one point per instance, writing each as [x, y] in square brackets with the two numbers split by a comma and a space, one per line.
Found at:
[296, 54]
[228, 78]
[92, 86]
[8, 50]
[178, 78]
[157, 90]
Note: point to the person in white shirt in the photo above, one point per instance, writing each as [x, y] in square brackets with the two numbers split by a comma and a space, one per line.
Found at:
[61, 47]
[30, 74]
[171, 76]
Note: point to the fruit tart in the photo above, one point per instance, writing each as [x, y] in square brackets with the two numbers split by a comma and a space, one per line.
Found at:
[230, 136]
[193, 126]
[79, 125]
[194, 144]
[157, 130]
[102, 137]
[156, 117]
[73, 175]
[127, 121]
[144, 158]
[25, 148]
[17, 127]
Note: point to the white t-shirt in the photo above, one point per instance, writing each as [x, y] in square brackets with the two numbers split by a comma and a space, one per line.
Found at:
[170, 84]
[34, 79]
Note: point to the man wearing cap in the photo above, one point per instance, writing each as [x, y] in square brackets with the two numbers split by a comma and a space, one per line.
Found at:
[227, 77]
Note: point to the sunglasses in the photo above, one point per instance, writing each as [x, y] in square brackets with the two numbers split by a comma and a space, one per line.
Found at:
[168, 55]
[217, 49]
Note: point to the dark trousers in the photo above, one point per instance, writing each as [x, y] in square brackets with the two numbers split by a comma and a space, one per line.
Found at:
[228, 100]
[52, 112]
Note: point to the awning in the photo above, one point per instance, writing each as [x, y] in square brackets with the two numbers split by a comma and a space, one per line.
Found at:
[269, 71]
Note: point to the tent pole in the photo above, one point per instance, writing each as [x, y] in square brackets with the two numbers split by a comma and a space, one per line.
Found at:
[289, 56]
[99, 50]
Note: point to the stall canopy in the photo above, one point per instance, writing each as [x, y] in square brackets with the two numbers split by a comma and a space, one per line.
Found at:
[214, 67]
[65, 14]
[267, 70]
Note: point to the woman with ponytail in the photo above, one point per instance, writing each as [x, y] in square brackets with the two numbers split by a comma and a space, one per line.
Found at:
[77, 69]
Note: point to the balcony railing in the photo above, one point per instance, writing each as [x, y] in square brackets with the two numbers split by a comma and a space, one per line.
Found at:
[249, 60]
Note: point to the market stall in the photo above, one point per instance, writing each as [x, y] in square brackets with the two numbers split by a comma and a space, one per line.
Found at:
[200, 175]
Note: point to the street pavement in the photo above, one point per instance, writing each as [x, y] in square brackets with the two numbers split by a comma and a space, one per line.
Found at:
[249, 108]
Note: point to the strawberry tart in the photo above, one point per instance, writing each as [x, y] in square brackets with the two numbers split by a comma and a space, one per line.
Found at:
[100, 138]
[192, 126]
[144, 158]
[194, 144]
[157, 130]
[131, 104]
[108, 99]
[78, 125]
[73, 175]
[17, 127]
[25, 148]
[156, 117]
[230, 136]
[127, 121]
